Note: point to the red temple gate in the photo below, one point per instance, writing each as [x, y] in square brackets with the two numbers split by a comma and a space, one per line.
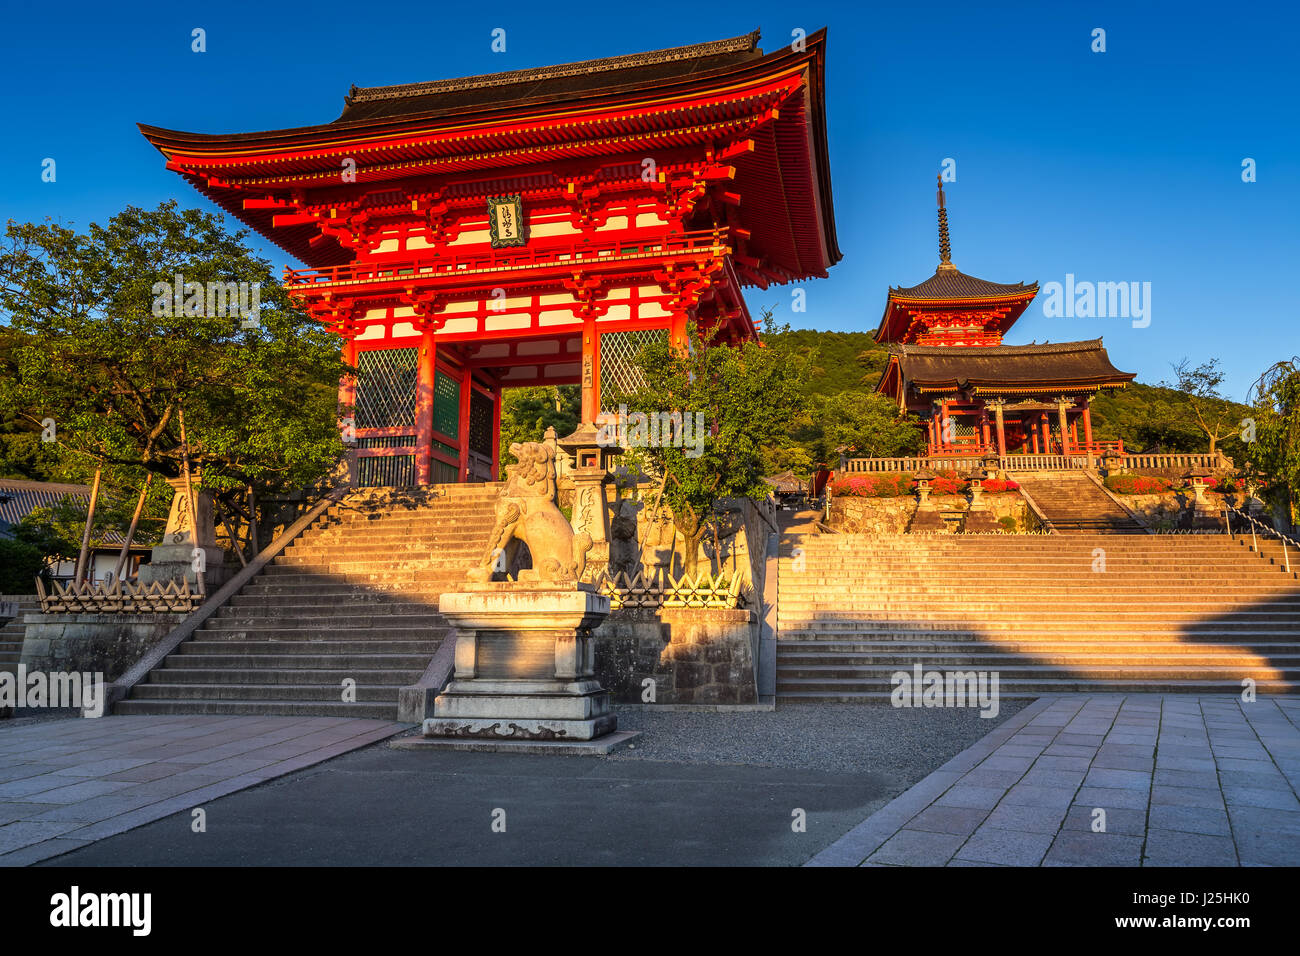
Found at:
[531, 228]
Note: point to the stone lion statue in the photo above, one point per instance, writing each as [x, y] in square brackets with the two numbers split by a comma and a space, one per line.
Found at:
[527, 511]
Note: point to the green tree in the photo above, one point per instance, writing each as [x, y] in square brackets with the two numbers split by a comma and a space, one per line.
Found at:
[527, 412]
[866, 423]
[99, 350]
[20, 564]
[1206, 406]
[745, 395]
[1275, 452]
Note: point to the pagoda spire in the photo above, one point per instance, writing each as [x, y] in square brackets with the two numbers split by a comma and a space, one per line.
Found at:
[945, 247]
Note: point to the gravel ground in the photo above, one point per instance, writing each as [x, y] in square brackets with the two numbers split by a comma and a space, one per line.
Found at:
[831, 738]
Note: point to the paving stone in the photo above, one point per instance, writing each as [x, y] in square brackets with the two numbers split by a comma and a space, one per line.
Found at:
[1163, 795]
[1245, 796]
[1048, 777]
[1028, 819]
[15, 836]
[76, 792]
[1005, 847]
[941, 819]
[1187, 778]
[1202, 764]
[1069, 750]
[1118, 779]
[1061, 763]
[1268, 848]
[962, 795]
[997, 779]
[1264, 820]
[1206, 820]
[1127, 820]
[1177, 848]
[44, 850]
[1085, 848]
[1030, 796]
[918, 848]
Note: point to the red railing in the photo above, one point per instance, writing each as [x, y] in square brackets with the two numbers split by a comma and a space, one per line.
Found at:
[535, 255]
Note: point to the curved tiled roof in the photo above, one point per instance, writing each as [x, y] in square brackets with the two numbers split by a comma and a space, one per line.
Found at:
[954, 284]
[1056, 365]
[18, 498]
[518, 86]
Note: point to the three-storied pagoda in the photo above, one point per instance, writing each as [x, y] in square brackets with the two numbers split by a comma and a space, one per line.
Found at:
[531, 228]
[977, 396]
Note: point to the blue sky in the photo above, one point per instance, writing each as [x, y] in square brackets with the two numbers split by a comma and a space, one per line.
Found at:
[1122, 166]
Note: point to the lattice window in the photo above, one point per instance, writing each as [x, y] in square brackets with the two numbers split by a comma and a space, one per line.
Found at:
[618, 369]
[446, 405]
[387, 471]
[386, 441]
[386, 388]
[481, 413]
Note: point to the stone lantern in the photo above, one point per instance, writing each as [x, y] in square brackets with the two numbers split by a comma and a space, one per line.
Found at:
[592, 459]
[1197, 477]
[923, 479]
[976, 487]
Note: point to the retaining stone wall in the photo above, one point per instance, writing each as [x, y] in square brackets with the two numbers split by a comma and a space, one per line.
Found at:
[694, 655]
[106, 643]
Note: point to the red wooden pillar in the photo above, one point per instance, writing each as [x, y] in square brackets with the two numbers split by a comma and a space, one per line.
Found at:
[425, 372]
[1002, 429]
[1046, 430]
[348, 383]
[984, 429]
[496, 433]
[590, 371]
[466, 391]
[1087, 424]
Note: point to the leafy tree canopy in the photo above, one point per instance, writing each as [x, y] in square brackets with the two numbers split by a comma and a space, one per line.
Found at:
[745, 397]
[92, 345]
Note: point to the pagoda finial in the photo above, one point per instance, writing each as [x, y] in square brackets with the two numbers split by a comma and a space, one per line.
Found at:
[945, 247]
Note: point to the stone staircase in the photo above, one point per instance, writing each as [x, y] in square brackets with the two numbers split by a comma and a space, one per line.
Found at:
[355, 596]
[11, 634]
[1169, 613]
[1074, 504]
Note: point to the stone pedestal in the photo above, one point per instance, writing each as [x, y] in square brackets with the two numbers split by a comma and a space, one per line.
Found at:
[173, 558]
[525, 664]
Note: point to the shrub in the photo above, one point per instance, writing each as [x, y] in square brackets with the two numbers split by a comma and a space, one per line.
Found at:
[882, 485]
[997, 486]
[19, 565]
[1008, 523]
[1137, 484]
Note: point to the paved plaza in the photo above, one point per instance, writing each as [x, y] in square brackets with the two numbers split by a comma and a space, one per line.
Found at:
[67, 783]
[1181, 781]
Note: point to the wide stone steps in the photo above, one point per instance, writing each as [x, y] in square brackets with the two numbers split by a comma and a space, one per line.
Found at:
[371, 710]
[226, 690]
[320, 650]
[1169, 613]
[1088, 659]
[355, 597]
[1013, 690]
[278, 631]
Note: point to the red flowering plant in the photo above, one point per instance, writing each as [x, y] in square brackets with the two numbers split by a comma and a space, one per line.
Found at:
[881, 485]
[948, 483]
[1137, 484]
[998, 486]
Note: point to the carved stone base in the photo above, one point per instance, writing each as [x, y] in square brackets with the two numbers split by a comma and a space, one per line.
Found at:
[525, 664]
